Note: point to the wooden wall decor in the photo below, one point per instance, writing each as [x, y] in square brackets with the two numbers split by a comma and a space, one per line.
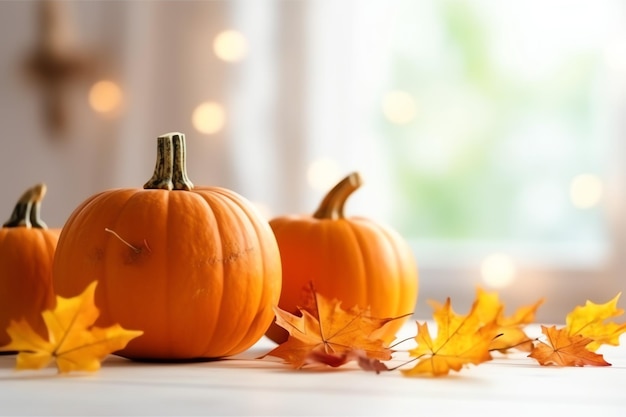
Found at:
[55, 65]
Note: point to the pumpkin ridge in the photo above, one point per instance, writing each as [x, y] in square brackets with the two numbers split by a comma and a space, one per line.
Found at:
[121, 256]
[392, 282]
[109, 245]
[363, 285]
[170, 321]
[214, 321]
[226, 200]
[252, 329]
[259, 308]
[114, 223]
[337, 258]
[46, 298]
[290, 288]
[103, 285]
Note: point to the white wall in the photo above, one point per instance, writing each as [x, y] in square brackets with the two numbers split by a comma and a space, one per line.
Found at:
[160, 53]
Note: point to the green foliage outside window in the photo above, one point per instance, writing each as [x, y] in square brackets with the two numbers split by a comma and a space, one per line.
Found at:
[505, 119]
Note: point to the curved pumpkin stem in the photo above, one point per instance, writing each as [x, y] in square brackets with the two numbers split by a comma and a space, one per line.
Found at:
[27, 209]
[332, 205]
[170, 172]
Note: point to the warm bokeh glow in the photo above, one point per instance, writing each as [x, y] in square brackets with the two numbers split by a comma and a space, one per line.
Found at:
[209, 117]
[586, 191]
[498, 270]
[399, 107]
[323, 174]
[230, 46]
[105, 96]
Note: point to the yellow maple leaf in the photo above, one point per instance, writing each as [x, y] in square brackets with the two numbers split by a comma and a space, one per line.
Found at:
[461, 340]
[590, 321]
[72, 340]
[510, 328]
[510, 333]
[327, 333]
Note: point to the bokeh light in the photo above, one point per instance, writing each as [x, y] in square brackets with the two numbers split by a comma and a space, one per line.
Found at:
[586, 191]
[105, 96]
[399, 107]
[209, 117]
[230, 46]
[498, 270]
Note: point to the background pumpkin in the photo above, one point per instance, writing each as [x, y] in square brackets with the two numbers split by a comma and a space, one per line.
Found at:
[26, 255]
[355, 260]
[197, 269]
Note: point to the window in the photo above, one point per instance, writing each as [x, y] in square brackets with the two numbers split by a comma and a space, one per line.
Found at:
[491, 127]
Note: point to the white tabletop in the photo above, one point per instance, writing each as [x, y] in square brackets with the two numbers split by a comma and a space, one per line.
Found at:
[511, 385]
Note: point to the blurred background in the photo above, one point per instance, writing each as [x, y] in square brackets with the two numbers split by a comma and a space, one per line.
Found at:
[489, 133]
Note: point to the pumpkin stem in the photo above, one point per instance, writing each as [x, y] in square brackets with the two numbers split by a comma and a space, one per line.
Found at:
[170, 172]
[27, 209]
[332, 205]
[179, 176]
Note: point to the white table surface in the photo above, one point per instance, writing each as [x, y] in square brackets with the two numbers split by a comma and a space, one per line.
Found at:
[511, 385]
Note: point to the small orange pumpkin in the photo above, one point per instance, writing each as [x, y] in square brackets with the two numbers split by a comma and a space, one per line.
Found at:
[26, 255]
[355, 260]
[197, 269]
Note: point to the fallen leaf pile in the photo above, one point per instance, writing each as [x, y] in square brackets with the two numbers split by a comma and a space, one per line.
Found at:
[327, 334]
[324, 333]
[73, 342]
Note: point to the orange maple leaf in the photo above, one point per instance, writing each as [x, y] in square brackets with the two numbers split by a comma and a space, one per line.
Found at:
[510, 331]
[565, 349]
[328, 334]
[590, 321]
[73, 343]
[461, 340]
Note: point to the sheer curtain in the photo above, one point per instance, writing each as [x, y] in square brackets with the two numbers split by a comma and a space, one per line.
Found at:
[298, 96]
[161, 55]
[169, 67]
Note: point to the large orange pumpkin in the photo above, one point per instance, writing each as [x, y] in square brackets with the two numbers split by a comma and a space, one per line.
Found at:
[26, 255]
[197, 269]
[353, 259]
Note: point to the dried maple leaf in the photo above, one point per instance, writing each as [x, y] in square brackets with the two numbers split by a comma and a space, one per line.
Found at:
[72, 341]
[328, 334]
[564, 349]
[461, 340]
[590, 321]
[510, 328]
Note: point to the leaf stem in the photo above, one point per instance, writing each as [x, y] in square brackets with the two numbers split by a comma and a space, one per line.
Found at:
[399, 342]
[407, 362]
